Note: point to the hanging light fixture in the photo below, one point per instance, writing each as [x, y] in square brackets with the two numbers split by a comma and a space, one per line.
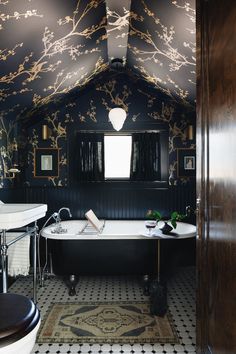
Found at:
[117, 117]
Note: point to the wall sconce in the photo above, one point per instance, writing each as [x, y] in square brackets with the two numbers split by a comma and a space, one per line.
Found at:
[190, 132]
[46, 132]
[11, 173]
[117, 117]
[14, 171]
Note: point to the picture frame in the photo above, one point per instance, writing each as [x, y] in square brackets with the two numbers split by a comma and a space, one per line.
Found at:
[186, 162]
[46, 162]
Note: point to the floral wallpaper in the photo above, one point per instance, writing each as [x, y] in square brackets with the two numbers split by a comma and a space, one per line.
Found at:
[144, 109]
[47, 49]
[162, 45]
[118, 17]
[54, 53]
[46, 39]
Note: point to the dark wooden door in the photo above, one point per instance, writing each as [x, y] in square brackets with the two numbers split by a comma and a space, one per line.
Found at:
[216, 176]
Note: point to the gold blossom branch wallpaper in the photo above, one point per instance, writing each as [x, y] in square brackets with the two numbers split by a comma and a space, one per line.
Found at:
[55, 69]
[162, 45]
[89, 111]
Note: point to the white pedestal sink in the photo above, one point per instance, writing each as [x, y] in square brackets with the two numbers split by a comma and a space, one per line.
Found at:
[13, 216]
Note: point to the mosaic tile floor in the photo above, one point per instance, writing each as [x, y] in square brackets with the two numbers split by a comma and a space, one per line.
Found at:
[181, 300]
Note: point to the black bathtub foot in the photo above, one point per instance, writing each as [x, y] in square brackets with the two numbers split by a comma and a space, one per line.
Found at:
[72, 291]
[146, 285]
[71, 282]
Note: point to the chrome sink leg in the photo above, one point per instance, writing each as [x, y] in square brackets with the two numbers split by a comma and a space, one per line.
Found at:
[35, 235]
[4, 259]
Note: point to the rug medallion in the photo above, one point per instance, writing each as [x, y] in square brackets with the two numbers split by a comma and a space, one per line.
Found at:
[108, 322]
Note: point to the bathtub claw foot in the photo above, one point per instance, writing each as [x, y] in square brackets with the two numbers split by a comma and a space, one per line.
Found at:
[72, 291]
[72, 281]
[146, 285]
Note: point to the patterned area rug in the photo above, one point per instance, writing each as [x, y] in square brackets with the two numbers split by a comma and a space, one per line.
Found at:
[108, 322]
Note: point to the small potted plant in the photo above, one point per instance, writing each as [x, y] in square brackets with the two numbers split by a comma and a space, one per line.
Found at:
[174, 217]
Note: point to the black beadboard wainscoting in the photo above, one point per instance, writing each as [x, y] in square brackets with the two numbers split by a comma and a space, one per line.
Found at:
[115, 200]
[112, 200]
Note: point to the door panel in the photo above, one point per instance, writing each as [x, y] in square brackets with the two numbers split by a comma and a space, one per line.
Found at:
[216, 178]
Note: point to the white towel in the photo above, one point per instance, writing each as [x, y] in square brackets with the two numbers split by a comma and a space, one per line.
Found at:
[18, 255]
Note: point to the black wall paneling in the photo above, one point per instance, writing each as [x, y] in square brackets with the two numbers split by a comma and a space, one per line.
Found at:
[112, 200]
[12, 195]
[108, 200]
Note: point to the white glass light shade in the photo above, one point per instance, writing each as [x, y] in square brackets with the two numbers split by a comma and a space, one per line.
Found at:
[117, 117]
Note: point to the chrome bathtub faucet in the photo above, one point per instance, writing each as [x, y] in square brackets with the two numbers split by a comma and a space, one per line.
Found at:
[58, 218]
[189, 211]
[58, 229]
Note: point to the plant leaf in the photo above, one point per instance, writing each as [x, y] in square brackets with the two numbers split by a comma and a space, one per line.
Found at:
[153, 214]
[174, 215]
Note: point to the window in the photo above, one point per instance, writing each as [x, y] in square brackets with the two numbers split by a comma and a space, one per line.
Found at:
[132, 156]
[117, 156]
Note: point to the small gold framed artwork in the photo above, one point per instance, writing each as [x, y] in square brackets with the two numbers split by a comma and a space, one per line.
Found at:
[186, 162]
[46, 162]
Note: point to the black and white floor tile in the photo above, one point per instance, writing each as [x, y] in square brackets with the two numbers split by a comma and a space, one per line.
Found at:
[181, 301]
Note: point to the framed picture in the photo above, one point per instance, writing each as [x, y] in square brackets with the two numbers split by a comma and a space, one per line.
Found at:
[46, 162]
[186, 162]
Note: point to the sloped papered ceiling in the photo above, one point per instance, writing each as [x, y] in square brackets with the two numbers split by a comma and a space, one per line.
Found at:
[118, 15]
[162, 45]
[50, 47]
[51, 50]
